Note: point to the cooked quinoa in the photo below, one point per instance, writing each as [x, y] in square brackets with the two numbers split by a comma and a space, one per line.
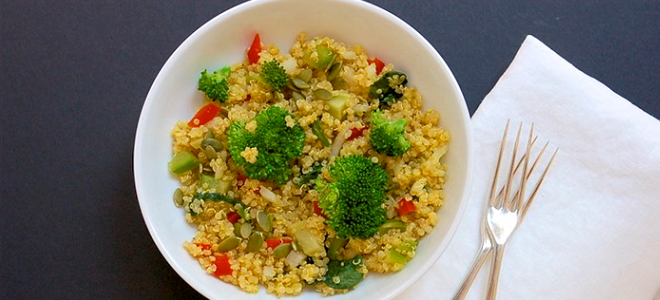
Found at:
[224, 228]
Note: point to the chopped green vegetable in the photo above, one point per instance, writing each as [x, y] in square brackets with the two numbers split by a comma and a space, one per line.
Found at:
[217, 197]
[394, 256]
[214, 85]
[388, 137]
[310, 244]
[391, 224]
[388, 89]
[344, 274]
[352, 200]
[399, 254]
[324, 57]
[317, 128]
[220, 186]
[183, 161]
[337, 105]
[275, 142]
[274, 75]
[336, 244]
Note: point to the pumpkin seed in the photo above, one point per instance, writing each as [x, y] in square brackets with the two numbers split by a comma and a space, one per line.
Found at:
[297, 96]
[305, 75]
[263, 221]
[338, 83]
[323, 94]
[209, 134]
[210, 152]
[299, 83]
[178, 197]
[282, 250]
[217, 146]
[246, 230]
[228, 244]
[254, 242]
[334, 71]
[237, 229]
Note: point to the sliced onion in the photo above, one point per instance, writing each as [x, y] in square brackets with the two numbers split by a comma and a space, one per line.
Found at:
[269, 272]
[295, 258]
[338, 142]
[267, 194]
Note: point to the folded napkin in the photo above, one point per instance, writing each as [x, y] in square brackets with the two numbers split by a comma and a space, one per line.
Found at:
[593, 231]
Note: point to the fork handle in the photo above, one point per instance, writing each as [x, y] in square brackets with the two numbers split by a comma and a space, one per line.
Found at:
[474, 270]
[495, 273]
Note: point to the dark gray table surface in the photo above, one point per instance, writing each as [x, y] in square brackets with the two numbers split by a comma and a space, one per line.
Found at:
[74, 76]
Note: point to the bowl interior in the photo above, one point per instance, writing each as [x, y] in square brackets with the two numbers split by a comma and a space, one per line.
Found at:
[222, 41]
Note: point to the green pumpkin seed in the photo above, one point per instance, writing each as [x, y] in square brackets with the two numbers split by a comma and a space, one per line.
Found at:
[210, 152]
[217, 146]
[209, 135]
[246, 230]
[237, 229]
[263, 222]
[334, 71]
[254, 242]
[228, 244]
[338, 83]
[178, 197]
[323, 94]
[297, 96]
[306, 75]
[299, 83]
[282, 250]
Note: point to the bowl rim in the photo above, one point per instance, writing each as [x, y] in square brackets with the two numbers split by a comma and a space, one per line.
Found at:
[372, 8]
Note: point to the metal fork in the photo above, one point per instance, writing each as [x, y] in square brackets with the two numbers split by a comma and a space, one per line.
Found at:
[504, 213]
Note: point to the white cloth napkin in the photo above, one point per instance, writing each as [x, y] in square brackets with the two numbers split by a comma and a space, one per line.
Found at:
[593, 231]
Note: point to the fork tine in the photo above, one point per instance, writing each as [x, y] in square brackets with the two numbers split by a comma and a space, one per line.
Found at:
[538, 184]
[507, 188]
[500, 194]
[523, 176]
[493, 188]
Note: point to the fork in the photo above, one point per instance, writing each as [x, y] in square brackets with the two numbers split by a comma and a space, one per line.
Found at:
[504, 213]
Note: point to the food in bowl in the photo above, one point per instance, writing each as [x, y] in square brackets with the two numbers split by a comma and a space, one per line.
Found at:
[312, 167]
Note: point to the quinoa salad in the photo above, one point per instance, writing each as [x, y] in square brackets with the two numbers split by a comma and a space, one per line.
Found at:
[308, 169]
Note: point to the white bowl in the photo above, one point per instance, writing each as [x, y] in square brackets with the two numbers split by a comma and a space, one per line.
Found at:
[222, 41]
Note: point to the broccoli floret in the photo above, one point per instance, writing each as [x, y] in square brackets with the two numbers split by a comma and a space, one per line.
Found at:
[388, 136]
[276, 144]
[274, 75]
[352, 200]
[215, 85]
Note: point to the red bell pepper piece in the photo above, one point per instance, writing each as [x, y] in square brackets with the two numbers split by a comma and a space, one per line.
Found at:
[406, 207]
[357, 132]
[379, 64]
[318, 210]
[204, 115]
[203, 246]
[233, 217]
[222, 265]
[274, 242]
[241, 180]
[254, 50]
